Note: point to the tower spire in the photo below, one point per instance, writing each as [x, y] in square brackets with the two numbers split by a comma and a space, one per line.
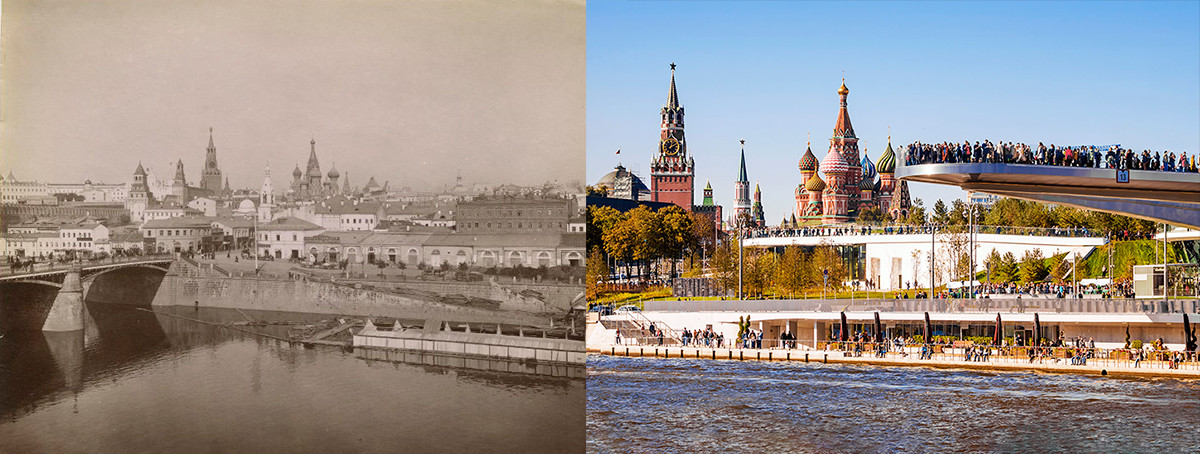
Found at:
[742, 170]
[672, 97]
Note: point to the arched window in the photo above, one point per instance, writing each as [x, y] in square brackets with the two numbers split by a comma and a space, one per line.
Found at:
[514, 258]
[461, 257]
[413, 257]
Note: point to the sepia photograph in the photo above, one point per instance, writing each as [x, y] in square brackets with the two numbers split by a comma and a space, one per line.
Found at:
[292, 226]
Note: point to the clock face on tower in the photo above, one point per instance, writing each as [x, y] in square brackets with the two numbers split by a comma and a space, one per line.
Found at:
[670, 147]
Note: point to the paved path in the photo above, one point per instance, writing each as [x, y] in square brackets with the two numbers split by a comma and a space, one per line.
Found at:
[1004, 363]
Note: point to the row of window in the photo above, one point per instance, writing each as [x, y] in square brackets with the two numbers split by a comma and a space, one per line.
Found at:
[510, 212]
[519, 225]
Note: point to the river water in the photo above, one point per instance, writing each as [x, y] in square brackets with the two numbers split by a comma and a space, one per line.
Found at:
[690, 405]
[134, 381]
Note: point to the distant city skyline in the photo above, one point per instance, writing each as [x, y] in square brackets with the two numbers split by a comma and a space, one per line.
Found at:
[768, 73]
[412, 92]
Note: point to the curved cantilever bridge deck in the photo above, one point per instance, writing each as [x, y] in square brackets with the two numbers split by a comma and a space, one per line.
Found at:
[1171, 197]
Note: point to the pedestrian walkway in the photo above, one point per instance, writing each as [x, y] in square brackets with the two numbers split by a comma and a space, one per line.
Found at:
[1190, 370]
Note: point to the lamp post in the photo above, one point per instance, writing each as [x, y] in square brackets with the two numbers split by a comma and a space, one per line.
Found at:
[739, 232]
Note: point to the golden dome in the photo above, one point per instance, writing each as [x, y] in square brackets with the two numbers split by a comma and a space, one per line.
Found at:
[843, 90]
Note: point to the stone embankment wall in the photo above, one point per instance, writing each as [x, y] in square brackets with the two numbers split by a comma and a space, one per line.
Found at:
[187, 286]
[556, 295]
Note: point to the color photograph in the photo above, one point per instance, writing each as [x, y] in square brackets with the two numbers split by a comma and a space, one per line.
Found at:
[893, 226]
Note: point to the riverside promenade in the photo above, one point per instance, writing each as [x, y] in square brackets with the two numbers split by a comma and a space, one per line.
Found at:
[1112, 363]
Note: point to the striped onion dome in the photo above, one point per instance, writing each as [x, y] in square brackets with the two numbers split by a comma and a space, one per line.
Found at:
[808, 163]
[834, 163]
[867, 184]
[887, 161]
[868, 168]
[815, 184]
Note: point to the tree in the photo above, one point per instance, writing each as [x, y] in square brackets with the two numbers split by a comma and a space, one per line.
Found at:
[648, 235]
[940, 214]
[678, 234]
[724, 266]
[597, 272]
[1033, 266]
[618, 242]
[758, 269]
[872, 215]
[704, 231]
[599, 220]
[789, 269]
[826, 258]
[916, 216]
[381, 264]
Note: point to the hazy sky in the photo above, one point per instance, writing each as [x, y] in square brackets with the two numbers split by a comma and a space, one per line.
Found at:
[407, 91]
[1065, 73]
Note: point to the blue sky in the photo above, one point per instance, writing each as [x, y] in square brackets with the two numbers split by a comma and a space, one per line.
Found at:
[1064, 73]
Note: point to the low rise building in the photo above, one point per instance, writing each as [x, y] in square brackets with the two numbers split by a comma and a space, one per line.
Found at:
[178, 234]
[285, 238]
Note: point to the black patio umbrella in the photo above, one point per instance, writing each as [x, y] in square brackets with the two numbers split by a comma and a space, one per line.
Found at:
[1037, 330]
[1188, 336]
[999, 331]
[843, 336]
[928, 329]
[878, 329]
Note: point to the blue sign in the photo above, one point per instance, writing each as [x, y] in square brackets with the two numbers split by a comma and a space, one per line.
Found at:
[1123, 176]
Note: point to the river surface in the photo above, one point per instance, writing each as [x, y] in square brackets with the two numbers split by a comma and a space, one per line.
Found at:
[690, 405]
[136, 381]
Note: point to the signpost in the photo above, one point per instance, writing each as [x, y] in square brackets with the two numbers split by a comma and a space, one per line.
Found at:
[825, 282]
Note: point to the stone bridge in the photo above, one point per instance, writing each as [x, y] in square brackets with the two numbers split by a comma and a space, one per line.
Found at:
[74, 281]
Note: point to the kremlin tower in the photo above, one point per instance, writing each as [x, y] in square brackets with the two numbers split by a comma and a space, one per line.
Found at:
[672, 172]
[741, 190]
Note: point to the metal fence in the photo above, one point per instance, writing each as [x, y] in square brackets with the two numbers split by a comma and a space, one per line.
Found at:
[979, 354]
[1069, 306]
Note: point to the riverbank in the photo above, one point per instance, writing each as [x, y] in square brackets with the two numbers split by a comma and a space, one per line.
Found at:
[1147, 368]
[197, 286]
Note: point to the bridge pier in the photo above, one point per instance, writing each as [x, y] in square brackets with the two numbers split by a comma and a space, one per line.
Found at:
[67, 312]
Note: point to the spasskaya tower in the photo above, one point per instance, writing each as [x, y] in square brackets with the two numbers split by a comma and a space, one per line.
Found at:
[672, 172]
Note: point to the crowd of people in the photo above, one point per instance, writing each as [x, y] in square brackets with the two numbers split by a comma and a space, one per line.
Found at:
[778, 232]
[1110, 157]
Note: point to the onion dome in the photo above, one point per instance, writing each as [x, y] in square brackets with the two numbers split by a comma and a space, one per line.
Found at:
[887, 161]
[333, 172]
[297, 173]
[868, 167]
[833, 163]
[843, 90]
[867, 184]
[815, 184]
[808, 163]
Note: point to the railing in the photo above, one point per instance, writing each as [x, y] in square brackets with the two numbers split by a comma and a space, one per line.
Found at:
[1042, 305]
[669, 333]
[50, 266]
[860, 230]
[961, 352]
